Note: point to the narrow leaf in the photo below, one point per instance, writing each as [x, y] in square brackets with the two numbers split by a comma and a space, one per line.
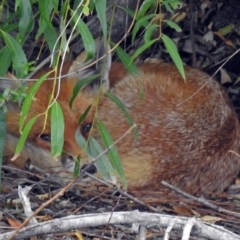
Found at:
[84, 115]
[144, 8]
[103, 164]
[112, 153]
[5, 59]
[41, 28]
[173, 52]
[80, 84]
[55, 5]
[26, 14]
[81, 141]
[173, 25]
[77, 167]
[45, 9]
[18, 56]
[142, 48]
[57, 130]
[126, 60]
[93, 149]
[130, 121]
[101, 9]
[172, 4]
[149, 31]
[25, 134]
[87, 38]
[51, 37]
[142, 22]
[29, 98]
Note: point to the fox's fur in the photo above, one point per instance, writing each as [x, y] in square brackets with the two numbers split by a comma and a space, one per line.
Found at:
[188, 131]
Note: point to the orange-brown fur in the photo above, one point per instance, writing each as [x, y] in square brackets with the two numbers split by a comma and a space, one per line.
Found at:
[185, 142]
[185, 134]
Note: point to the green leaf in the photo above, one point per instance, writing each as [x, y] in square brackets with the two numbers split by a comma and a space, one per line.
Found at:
[77, 167]
[130, 12]
[87, 38]
[173, 52]
[57, 130]
[45, 24]
[51, 37]
[142, 22]
[5, 60]
[63, 42]
[117, 101]
[125, 59]
[28, 100]
[93, 149]
[64, 8]
[173, 25]
[80, 84]
[101, 9]
[81, 141]
[25, 134]
[103, 164]
[112, 153]
[17, 3]
[41, 28]
[226, 29]
[26, 14]
[9, 19]
[142, 48]
[144, 8]
[84, 115]
[9, 27]
[168, 7]
[18, 56]
[149, 31]
[55, 5]
[45, 9]
[171, 4]
[2, 134]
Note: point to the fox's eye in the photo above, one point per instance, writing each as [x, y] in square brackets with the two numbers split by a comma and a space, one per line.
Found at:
[86, 128]
[45, 137]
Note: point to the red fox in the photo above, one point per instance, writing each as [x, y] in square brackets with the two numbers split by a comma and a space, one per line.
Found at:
[188, 131]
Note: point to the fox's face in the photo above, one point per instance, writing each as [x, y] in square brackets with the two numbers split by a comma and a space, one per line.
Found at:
[88, 97]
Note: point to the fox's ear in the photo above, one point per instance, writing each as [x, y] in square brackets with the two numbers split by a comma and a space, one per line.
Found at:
[8, 81]
[99, 65]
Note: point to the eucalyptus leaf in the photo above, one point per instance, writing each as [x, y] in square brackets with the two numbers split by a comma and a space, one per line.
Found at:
[57, 129]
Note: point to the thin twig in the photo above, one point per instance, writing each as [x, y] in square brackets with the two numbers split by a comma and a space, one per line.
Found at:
[201, 200]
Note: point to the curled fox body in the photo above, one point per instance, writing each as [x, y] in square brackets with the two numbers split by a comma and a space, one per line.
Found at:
[188, 131]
